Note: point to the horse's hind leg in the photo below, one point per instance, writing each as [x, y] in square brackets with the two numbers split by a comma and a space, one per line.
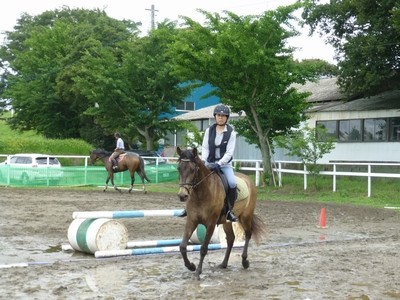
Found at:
[230, 239]
[245, 262]
[141, 175]
[132, 182]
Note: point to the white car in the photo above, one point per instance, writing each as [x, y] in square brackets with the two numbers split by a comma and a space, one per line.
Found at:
[30, 168]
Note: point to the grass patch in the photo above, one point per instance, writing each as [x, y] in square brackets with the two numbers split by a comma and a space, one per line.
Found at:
[349, 190]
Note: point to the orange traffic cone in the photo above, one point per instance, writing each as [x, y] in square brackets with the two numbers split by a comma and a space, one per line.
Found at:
[322, 219]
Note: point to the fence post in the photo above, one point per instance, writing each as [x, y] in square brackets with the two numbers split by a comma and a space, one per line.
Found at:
[369, 180]
[305, 177]
[334, 177]
[86, 169]
[257, 173]
[280, 174]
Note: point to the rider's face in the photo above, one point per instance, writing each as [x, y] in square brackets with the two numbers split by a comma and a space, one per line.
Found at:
[221, 119]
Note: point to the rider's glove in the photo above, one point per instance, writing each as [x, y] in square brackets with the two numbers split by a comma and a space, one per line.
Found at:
[214, 167]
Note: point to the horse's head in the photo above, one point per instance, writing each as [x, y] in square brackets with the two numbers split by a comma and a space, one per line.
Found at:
[188, 169]
[93, 156]
[97, 154]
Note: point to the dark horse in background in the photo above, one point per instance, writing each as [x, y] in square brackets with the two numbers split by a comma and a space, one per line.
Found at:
[128, 161]
[204, 194]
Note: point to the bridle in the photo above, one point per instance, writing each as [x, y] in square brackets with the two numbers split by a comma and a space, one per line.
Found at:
[189, 186]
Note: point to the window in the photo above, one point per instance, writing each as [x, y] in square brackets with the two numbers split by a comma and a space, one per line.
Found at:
[394, 129]
[187, 105]
[350, 130]
[375, 130]
[362, 130]
[331, 129]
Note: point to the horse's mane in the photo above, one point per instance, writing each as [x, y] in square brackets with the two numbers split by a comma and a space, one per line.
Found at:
[101, 151]
[187, 155]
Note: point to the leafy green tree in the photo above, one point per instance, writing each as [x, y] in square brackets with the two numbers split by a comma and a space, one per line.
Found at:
[247, 60]
[319, 67]
[80, 74]
[365, 34]
[148, 93]
[48, 55]
[308, 144]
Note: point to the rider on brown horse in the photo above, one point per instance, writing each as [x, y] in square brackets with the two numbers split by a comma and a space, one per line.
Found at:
[119, 149]
[217, 152]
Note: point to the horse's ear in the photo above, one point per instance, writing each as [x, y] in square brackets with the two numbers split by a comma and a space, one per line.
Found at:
[178, 150]
[194, 151]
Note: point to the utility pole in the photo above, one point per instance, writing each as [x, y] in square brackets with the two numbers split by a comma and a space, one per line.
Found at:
[153, 10]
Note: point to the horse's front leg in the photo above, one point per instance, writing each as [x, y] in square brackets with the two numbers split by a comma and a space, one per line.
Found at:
[183, 248]
[107, 180]
[204, 249]
[112, 182]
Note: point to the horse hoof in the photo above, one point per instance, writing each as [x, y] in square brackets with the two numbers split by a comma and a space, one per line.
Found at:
[192, 267]
[245, 264]
[223, 266]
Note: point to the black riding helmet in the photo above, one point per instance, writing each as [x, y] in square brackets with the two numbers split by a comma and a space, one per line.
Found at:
[222, 109]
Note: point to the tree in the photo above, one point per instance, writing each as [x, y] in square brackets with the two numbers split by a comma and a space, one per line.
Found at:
[247, 60]
[365, 34]
[48, 55]
[149, 90]
[78, 73]
[308, 144]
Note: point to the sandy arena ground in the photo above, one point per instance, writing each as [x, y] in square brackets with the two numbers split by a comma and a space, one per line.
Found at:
[356, 257]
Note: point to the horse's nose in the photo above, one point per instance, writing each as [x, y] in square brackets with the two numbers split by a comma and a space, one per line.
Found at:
[183, 194]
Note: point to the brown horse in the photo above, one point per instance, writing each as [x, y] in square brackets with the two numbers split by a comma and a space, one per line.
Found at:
[128, 161]
[204, 194]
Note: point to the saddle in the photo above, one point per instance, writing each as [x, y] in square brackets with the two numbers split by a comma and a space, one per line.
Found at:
[243, 191]
[119, 157]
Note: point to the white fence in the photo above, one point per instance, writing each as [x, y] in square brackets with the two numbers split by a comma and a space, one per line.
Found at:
[279, 169]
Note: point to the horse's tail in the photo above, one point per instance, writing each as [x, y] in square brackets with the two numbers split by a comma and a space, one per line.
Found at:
[259, 228]
[142, 171]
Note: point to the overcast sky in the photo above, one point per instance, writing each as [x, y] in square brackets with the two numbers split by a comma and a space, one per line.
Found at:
[140, 11]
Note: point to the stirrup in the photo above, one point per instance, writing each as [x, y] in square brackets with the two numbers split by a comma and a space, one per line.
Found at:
[231, 217]
[115, 168]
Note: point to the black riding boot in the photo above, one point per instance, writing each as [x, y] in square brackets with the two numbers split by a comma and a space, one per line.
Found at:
[232, 195]
[114, 164]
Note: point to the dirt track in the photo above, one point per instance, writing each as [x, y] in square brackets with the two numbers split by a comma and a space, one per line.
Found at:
[356, 257]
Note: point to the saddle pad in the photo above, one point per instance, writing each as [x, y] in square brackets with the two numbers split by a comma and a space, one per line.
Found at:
[243, 190]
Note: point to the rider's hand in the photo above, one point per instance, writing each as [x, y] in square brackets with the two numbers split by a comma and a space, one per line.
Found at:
[214, 167]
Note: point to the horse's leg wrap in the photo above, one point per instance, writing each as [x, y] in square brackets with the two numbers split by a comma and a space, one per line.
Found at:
[232, 195]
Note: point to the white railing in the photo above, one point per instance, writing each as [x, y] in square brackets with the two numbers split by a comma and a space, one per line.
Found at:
[279, 170]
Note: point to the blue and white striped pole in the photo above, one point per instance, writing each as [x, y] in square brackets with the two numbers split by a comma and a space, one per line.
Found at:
[159, 250]
[126, 214]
